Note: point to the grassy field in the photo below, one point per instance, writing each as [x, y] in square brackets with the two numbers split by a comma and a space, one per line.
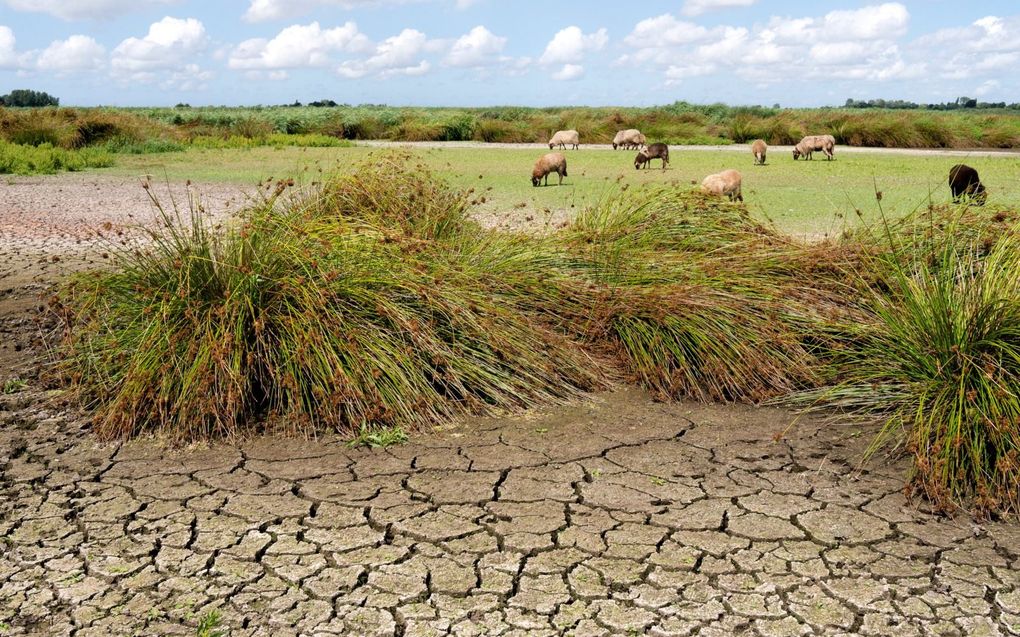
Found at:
[814, 198]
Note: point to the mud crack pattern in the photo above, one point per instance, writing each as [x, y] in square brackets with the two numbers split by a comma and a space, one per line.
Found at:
[619, 516]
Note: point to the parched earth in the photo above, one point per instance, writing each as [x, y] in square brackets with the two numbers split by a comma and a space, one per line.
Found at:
[613, 516]
[618, 516]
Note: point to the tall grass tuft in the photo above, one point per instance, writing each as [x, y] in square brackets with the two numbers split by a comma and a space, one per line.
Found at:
[309, 315]
[693, 296]
[937, 357]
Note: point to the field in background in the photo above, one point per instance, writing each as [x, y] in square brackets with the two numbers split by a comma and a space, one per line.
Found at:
[816, 198]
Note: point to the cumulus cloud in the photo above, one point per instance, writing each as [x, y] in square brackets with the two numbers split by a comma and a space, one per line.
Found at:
[697, 7]
[401, 54]
[76, 53]
[84, 9]
[859, 44]
[299, 46]
[569, 72]
[478, 47]
[569, 45]
[8, 48]
[990, 45]
[170, 43]
[165, 56]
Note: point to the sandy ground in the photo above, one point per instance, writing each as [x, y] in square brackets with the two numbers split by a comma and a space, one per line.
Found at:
[614, 516]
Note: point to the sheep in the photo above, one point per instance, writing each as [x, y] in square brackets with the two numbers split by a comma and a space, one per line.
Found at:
[726, 183]
[812, 143]
[964, 180]
[629, 139]
[565, 137]
[549, 163]
[654, 151]
[758, 149]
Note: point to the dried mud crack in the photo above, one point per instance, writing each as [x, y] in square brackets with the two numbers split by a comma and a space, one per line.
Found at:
[614, 517]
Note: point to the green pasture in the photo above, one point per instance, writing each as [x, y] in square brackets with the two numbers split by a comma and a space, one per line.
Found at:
[813, 198]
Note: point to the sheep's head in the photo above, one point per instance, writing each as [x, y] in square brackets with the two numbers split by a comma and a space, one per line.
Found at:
[980, 195]
[551, 145]
[535, 181]
[640, 159]
[796, 154]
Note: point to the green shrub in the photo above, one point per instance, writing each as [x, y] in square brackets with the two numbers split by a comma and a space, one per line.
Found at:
[45, 159]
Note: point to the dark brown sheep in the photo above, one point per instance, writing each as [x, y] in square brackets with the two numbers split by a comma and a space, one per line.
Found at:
[654, 151]
[964, 180]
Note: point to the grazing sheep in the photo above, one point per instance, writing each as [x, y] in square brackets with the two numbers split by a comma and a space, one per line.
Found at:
[654, 151]
[758, 149]
[964, 180]
[564, 138]
[546, 164]
[726, 183]
[629, 139]
[812, 143]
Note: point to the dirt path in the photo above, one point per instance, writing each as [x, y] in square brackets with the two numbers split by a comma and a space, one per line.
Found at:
[785, 150]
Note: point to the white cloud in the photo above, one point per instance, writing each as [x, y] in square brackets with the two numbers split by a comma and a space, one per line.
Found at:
[569, 45]
[479, 47]
[882, 22]
[569, 72]
[76, 53]
[8, 48]
[401, 54]
[698, 7]
[83, 9]
[859, 44]
[170, 43]
[299, 46]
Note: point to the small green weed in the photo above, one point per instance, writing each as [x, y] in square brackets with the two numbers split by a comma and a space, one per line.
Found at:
[209, 625]
[378, 437]
[13, 386]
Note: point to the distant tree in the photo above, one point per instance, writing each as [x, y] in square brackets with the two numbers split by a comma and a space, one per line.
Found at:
[26, 97]
[323, 104]
[182, 105]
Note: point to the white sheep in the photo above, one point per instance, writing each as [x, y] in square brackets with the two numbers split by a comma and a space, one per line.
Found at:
[812, 143]
[726, 183]
[565, 138]
[629, 139]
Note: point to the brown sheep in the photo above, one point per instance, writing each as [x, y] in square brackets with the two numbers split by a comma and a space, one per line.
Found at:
[564, 138]
[726, 183]
[964, 180]
[546, 164]
[813, 143]
[654, 151]
[758, 149]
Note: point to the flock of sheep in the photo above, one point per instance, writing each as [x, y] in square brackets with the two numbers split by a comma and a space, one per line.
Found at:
[963, 180]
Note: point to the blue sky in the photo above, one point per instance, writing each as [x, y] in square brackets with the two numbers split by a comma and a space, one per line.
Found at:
[487, 52]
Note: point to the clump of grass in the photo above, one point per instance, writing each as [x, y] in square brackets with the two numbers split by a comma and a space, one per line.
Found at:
[937, 358]
[46, 159]
[312, 313]
[692, 295]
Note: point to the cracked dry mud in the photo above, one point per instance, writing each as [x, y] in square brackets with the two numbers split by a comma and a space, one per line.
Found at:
[615, 516]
